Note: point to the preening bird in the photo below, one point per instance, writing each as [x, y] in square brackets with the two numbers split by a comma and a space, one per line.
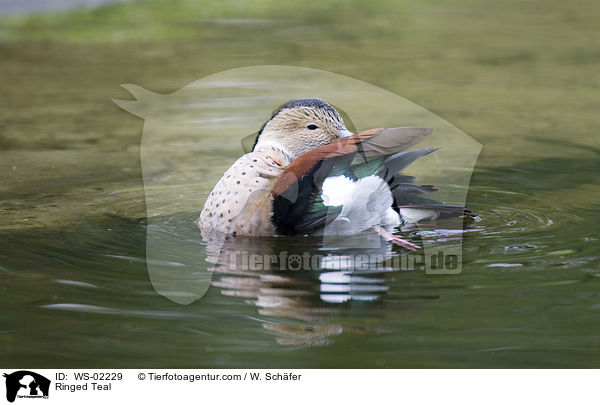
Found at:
[309, 175]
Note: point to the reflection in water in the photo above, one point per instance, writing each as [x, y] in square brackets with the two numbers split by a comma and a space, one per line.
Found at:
[297, 284]
[301, 287]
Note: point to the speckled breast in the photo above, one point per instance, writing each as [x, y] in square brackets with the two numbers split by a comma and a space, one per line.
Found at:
[241, 202]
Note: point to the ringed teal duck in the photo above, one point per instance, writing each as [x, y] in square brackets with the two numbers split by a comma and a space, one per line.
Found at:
[309, 175]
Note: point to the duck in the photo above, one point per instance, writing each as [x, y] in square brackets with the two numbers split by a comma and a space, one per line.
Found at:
[308, 175]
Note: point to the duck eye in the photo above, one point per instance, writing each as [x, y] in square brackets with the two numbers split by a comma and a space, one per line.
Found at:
[312, 127]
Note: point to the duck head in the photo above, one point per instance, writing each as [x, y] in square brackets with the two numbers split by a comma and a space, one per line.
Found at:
[300, 126]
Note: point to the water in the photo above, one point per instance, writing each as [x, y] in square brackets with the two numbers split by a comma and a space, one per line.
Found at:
[75, 290]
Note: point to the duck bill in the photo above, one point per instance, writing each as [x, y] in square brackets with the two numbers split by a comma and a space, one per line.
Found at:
[344, 133]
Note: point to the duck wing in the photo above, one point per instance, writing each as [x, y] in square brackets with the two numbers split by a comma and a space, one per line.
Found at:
[298, 206]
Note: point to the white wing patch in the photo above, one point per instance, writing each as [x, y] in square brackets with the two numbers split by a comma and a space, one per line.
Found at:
[365, 203]
[337, 190]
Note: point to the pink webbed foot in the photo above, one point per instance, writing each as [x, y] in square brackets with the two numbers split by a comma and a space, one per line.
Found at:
[395, 239]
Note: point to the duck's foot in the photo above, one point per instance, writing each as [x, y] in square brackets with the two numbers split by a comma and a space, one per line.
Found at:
[395, 239]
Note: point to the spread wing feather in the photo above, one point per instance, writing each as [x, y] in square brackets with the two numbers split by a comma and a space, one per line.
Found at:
[297, 203]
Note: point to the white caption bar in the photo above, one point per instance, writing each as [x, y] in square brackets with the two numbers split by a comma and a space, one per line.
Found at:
[162, 386]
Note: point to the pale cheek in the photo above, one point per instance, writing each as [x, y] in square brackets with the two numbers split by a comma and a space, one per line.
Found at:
[313, 138]
[323, 139]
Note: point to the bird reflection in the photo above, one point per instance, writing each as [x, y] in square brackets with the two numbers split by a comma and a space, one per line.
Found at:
[298, 284]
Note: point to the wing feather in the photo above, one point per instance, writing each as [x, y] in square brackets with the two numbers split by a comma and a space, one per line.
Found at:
[297, 206]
